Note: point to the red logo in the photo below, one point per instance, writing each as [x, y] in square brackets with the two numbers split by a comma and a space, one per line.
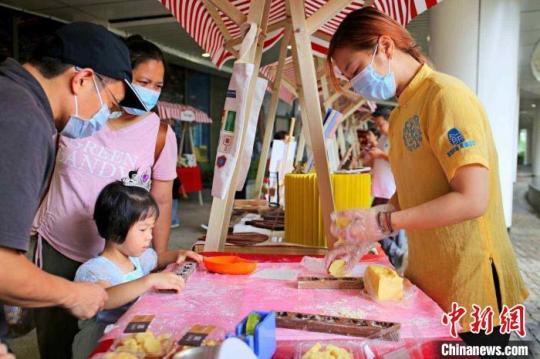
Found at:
[511, 319]
[453, 318]
[483, 319]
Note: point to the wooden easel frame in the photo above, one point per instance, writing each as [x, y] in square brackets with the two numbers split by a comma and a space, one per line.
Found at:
[298, 31]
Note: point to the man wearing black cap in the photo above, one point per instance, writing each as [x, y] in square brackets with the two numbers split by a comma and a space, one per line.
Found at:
[70, 85]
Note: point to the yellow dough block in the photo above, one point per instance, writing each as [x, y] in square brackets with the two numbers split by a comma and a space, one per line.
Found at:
[383, 283]
[337, 268]
[330, 352]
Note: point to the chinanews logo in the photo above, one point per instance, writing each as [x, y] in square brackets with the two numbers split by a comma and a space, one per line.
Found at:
[458, 142]
[231, 93]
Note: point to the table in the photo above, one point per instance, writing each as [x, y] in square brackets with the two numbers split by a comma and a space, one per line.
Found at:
[225, 300]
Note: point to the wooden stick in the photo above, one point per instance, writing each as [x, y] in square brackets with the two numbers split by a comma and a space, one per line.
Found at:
[182, 137]
[270, 29]
[330, 101]
[230, 10]
[348, 111]
[289, 86]
[325, 13]
[220, 214]
[221, 26]
[311, 114]
[272, 110]
[190, 129]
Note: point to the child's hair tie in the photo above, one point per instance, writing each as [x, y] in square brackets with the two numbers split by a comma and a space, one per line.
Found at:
[135, 179]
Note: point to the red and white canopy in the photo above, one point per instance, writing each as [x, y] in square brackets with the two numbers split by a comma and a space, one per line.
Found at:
[179, 112]
[198, 22]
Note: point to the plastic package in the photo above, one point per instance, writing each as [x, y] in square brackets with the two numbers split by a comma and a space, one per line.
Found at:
[389, 345]
[141, 345]
[353, 348]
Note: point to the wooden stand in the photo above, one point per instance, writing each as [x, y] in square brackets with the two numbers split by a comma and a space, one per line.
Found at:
[297, 31]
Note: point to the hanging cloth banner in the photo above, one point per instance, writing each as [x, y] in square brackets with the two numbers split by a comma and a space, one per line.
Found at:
[247, 150]
[234, 115]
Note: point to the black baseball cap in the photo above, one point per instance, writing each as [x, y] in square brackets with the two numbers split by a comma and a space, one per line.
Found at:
[84, 44]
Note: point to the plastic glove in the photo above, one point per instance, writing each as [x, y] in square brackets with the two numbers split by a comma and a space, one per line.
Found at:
[357, 230]
[349, 253]
[359, 225]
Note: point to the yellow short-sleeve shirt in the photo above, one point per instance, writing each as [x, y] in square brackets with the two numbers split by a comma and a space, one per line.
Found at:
[438, 127]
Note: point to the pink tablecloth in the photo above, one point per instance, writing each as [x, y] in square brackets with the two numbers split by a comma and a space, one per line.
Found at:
[223, 301]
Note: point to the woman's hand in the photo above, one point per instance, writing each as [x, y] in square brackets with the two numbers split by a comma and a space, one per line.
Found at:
[358, 229]
[182, 255]
[165, 281]
[4, 352]
[358, 226]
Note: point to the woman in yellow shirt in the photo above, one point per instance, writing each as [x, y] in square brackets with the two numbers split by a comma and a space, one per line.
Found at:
[445, 165]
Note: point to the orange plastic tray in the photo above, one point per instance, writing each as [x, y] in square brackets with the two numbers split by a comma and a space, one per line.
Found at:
[229, 265]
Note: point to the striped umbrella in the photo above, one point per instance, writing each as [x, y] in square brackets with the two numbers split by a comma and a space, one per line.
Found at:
[199, 22]
[180, 112]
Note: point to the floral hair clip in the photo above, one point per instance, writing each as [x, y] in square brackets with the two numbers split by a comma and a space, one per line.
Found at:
[136, 179]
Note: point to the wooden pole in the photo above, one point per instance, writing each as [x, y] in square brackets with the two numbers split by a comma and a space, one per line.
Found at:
[271, 118]
[325, 13]
[311, 114]
[230, 10]
[220, 214]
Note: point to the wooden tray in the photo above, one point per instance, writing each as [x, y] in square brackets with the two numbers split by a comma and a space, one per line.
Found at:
[338, 325]
[243, 239]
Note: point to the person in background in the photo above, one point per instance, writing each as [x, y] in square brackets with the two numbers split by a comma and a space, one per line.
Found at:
[383, 185]
[445, 165]
[368, 141]
[125, 214]
[133, 143]
[383, 188]
[71, 82]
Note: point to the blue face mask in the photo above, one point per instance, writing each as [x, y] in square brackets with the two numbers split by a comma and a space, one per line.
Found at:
[147, 96]
[77, 127]
[372, 86]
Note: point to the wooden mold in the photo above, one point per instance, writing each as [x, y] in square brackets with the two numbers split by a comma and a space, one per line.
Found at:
[185, 270]
[338, 325]
[330, 283]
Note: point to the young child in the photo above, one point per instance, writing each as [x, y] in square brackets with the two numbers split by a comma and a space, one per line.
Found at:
[125, 214]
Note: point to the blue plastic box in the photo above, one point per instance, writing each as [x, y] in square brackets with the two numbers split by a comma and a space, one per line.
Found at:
[263, 342]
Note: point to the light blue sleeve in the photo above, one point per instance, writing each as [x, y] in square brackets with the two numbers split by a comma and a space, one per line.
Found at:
[148, 261]
[98, 269]
[86, 273]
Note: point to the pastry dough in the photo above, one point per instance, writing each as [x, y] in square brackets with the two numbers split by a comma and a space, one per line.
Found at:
[337, 268]
[383, 283]
[330, 352]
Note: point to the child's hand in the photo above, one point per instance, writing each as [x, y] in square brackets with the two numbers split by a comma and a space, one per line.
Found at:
[166, 281]
[182, 255]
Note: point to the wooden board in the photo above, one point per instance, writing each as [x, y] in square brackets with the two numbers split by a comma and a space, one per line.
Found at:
[274, 225]
[338, 325]
[243, 239]
[277, 248]
[330, 283]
